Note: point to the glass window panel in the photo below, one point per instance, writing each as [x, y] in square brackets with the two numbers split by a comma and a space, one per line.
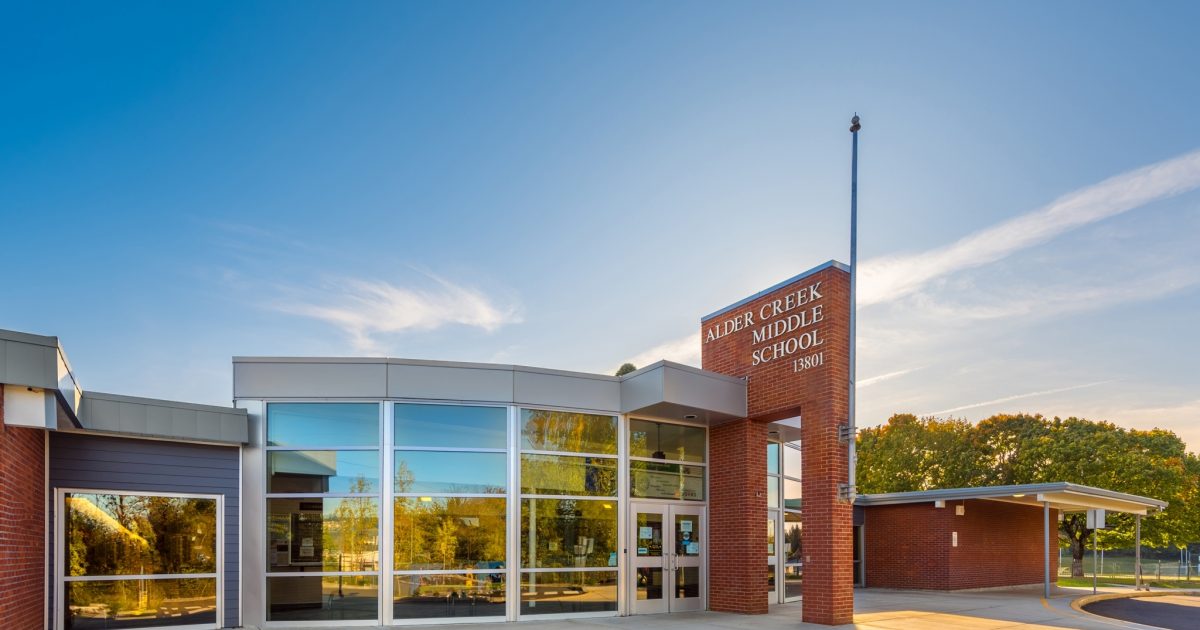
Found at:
[322, 598]
[666, 481]
[770, 537]
[140, 603]
[662, 440]
[450, 472]
[122, 534]
[793, 581]
[442, 595]
[323, 471]
[568, 533]
[773, 459]
[649, 534]
[543, 430]
[322, 424]
[792, 460]
[451, 425]
[649, 583]
[574, 592]
[687, 535]
[315, 534]
[792, 491]
[449, 533]
[770, 578]
[568, 475]
[772, 491]
[687, 582]
[793, 540]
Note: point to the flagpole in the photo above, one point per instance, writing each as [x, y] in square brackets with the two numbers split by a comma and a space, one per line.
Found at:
[853, 463]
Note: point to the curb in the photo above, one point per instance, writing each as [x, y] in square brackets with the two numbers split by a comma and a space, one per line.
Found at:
[1078, 603]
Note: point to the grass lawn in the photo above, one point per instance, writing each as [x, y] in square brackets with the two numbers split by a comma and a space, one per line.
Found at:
[1086, 582]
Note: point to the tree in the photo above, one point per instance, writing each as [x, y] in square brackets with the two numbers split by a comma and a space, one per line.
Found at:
[626, 368]
[909, 454]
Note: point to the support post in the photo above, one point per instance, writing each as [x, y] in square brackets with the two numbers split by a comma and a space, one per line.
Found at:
[1046, 549]
[1137, 554]
[1095, 567]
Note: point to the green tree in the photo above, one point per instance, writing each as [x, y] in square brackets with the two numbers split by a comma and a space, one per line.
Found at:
[910, 453]
[626, 368]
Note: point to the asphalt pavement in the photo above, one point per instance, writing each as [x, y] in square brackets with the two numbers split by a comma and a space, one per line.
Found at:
[1174, 612]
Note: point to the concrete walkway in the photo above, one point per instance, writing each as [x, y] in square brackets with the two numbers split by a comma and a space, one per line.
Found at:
[875, 609]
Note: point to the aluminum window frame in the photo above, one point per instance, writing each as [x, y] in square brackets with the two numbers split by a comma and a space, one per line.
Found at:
[379, 496]
[620, 497]
[61, 579]
[388, 562]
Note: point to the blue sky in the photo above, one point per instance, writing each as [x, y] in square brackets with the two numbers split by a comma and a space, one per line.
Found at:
[573, 185]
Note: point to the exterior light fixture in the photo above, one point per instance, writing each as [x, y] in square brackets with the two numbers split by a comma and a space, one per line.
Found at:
[1018, 496]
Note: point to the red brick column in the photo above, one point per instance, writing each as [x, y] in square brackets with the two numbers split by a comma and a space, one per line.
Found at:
[792, 344]
[22, 525]
[737, 512]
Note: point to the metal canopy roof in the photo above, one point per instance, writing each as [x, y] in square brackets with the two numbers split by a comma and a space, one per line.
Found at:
[1067, 497]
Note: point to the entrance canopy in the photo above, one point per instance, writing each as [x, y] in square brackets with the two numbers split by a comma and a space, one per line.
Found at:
[1062, 496]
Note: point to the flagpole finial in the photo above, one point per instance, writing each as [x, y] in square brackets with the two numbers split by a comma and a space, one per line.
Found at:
[854, 126]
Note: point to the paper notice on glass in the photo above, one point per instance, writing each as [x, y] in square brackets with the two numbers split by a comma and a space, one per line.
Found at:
[306, 551]
[685, 526]
[306, 542]
[645, 532]
[693, 548]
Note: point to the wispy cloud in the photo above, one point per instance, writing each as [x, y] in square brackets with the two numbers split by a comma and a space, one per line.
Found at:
[998, 401]
[683, 350]
[867, 382]
[365, 309]
[887, 278]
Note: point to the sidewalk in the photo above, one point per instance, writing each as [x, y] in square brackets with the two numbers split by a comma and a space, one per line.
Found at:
[875, 609]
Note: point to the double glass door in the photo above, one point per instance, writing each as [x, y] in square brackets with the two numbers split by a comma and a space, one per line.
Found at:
[669, 548]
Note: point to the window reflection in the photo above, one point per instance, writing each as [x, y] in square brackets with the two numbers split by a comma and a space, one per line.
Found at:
[568, 533]
[323, 534]
[451, 425]
[792, 460]
[773, 459]
[449, 533]
[666, 481]
[568, 475]
[792, 492]
[574, 592]
[793, 539]
[443, 595]
[319, 424]
[120, 534]
[323, 471]
[661, 440]
[322, 598]
[140, 603]
[543, 430]
[451, 472]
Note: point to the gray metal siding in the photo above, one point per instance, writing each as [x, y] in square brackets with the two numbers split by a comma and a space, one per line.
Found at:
[110, 463]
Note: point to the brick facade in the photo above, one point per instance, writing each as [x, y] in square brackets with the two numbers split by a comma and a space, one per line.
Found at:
[22, 526]
[814, 309]
[999, 544]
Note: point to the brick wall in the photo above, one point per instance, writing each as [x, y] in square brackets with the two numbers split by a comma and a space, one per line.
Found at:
[999, 544]
[22, 526]
[776, 390]
[737, 509]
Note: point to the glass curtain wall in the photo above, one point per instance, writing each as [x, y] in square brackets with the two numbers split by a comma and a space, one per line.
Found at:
[667, 461]
[793, 541]
[139, 561]
[323, 495]
[774, 486]
[568, 472]
[449, 520]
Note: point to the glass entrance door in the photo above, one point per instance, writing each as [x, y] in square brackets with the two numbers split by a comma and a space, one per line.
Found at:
[668, 559]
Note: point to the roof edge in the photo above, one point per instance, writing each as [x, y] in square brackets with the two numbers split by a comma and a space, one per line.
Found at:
[800, 276]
